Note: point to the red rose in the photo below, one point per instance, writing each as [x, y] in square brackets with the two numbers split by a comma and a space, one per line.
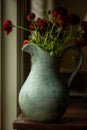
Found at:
[32, 25]
[62, 20]
[7, 26]
[59, 11]
[41, 23]
[30, 16]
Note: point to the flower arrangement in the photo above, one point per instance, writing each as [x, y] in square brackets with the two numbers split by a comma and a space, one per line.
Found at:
[53, 35]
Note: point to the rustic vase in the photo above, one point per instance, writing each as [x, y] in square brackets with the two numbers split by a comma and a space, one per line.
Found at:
[44, 96]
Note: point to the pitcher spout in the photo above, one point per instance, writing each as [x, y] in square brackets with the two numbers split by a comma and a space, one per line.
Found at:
[37, 53]
[30, 48]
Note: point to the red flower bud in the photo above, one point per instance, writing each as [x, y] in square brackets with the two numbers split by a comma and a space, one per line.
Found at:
[25, 42]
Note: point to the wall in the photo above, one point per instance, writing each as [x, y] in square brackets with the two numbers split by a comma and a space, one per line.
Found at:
[0, 66]
[9, 67]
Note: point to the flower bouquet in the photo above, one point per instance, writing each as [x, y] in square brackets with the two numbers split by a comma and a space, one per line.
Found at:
[53, 35]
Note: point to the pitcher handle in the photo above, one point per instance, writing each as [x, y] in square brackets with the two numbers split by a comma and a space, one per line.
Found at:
[79, 60]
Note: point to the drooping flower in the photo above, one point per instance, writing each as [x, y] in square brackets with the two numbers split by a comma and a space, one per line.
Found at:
[7, 26]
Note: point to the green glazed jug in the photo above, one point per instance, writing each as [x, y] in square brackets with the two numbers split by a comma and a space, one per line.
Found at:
[44, 96]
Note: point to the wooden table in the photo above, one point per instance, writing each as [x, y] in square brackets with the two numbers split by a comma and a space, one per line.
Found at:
[75, 118]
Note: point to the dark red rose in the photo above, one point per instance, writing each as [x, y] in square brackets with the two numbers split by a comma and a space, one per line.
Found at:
[84, 25]
[30, 16]
[41, 20]
[61, 19]
[73, 19]
[7, 26]
[32, 25]
[59, 11]
[41, 24]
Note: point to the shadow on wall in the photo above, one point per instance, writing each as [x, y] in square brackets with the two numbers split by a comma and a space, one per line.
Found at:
[76, 6]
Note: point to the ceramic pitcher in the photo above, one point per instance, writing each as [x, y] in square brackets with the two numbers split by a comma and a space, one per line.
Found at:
[44, 96]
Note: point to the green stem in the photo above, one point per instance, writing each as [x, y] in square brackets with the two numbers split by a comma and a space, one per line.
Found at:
[23, 28]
